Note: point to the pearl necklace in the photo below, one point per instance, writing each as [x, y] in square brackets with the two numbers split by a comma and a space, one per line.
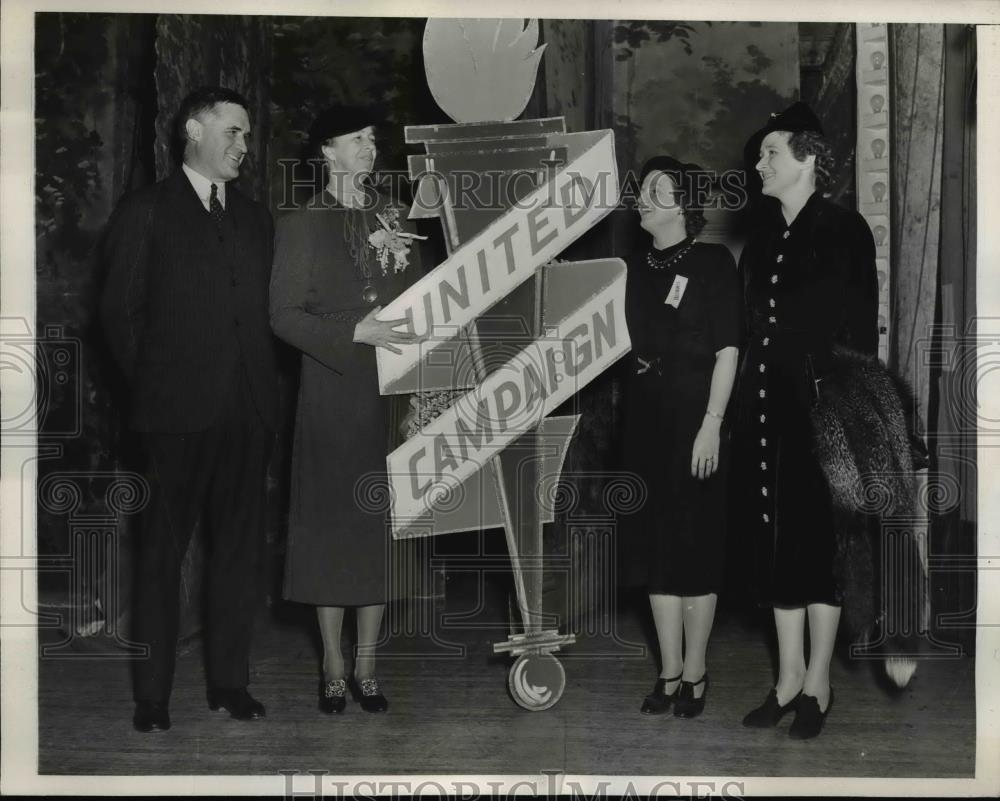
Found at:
[653, 262]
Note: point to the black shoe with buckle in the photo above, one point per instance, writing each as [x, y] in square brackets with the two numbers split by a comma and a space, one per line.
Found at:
[770, 712]
[151, 716]
[808, 719]
[237, 701]
[659, 701]
[686, 705]
[369, 694]
[332, 696]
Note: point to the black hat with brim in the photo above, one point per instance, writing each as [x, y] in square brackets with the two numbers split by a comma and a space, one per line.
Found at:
[797, 118]
[338, 121]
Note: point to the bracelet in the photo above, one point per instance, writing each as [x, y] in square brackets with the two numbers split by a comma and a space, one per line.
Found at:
[710, 413]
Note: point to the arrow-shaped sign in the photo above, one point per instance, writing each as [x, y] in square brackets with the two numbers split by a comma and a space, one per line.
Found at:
[498, 319]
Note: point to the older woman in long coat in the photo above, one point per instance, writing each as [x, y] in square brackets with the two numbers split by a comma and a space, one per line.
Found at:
[338, 259]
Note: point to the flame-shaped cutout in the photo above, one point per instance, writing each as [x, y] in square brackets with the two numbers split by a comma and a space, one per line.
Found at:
[481, 70]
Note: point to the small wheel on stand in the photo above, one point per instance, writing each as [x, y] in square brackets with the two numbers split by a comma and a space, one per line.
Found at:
[536, 681]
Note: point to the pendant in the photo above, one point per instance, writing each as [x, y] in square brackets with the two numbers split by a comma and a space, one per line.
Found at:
[369, 294]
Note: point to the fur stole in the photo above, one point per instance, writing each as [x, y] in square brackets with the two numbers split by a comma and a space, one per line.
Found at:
[862, 436]
[863, 445]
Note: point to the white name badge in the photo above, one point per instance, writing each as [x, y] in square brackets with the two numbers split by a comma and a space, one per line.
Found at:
[676, 291]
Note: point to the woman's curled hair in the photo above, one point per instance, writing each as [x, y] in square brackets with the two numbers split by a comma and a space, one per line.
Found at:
[810, 143]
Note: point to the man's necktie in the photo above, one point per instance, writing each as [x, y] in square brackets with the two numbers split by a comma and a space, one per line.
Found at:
[215, 207]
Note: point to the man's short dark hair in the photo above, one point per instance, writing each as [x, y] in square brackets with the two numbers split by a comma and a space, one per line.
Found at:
[201, 100]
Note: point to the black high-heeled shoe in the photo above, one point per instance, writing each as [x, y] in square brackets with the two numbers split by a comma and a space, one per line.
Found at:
[659, 701]
[770, 712]
[808, 719]
[332, 696]
[686, 705]
[368, 693]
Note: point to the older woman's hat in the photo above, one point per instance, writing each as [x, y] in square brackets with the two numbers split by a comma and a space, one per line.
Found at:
[797, 118]
[338, 121]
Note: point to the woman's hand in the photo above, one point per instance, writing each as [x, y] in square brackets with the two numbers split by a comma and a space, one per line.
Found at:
[382, 333]
[705, 454]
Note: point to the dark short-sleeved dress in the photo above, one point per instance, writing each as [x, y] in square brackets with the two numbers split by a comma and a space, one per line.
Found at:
[339, 544]
[676, 540]
[808, 286]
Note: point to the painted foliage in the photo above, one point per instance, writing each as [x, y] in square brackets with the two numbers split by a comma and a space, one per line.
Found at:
[74, 106]
[697, 91]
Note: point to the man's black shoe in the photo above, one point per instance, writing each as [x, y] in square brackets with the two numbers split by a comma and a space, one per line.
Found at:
[239, 702]
[151, 716]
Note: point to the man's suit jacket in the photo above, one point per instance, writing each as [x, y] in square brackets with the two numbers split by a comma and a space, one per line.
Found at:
[185, 302]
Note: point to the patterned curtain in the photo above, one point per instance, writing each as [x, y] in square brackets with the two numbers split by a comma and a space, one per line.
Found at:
[917, 135]
[933, 294]
[953, 380]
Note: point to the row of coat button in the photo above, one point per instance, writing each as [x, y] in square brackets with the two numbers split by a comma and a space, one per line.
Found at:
[762, 369]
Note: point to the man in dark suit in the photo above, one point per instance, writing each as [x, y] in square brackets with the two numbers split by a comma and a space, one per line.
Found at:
[186, 315]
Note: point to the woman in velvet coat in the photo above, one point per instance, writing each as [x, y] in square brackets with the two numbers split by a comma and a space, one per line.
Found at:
[810, 285]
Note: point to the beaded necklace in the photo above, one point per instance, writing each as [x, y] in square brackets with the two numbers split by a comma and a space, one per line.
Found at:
[356, 238]
[662, 264]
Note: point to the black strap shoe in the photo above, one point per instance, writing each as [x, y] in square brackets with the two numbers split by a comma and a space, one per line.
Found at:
[686, 705]
[659, 701]
[369, 694]
[770, 712]
[332, 696]
[151, 716]
[808, 719]
[240, 704]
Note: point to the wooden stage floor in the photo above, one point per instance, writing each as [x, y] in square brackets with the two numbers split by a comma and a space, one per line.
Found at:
[451, 714]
